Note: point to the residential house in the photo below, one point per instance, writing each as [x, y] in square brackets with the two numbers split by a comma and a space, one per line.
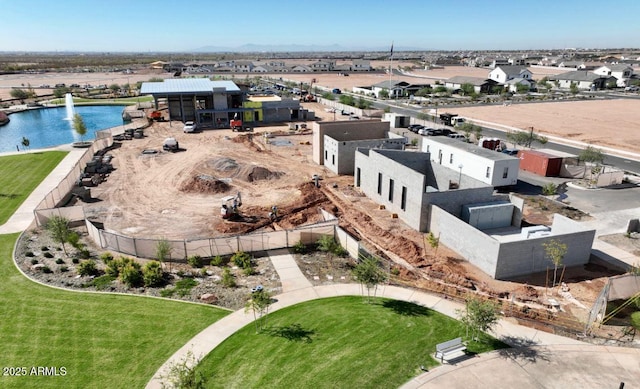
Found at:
[361, 65]
[582, 79]
[480, 85]
[396, 88]
[323, 66]
[242, 66]
[512, 85]
[503, 74]
[301, 69]
[622, 72]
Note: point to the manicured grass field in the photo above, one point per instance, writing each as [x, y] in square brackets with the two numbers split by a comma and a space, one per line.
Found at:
[20, 175]
[102, 341]
[335, 343]
[111, 101]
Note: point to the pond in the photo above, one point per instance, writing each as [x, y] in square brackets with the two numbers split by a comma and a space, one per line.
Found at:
[48, 127]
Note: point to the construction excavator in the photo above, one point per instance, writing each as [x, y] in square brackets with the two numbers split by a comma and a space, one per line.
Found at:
[229, 208]
[309, 97]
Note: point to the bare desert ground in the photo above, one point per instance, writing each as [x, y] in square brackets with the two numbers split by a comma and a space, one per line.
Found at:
[610, 123]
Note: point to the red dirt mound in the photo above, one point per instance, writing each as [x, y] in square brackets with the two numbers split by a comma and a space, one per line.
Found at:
[204, 184]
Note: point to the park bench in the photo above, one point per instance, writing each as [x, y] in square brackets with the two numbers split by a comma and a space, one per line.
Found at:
[450, 349]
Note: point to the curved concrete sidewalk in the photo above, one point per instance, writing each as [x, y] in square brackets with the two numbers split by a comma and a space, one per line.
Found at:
[23, 217]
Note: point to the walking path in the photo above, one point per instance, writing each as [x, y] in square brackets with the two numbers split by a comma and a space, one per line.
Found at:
[23, 217]
[297, 289]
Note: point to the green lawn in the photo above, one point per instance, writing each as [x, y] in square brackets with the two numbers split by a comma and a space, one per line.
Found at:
[20, 175]
[335, 343]
[102, 341]
[110, 101]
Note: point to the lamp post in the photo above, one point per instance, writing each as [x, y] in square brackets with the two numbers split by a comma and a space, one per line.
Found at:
[460, 176]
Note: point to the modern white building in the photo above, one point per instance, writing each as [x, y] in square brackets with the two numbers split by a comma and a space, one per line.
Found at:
[488, 166]
[622, 72]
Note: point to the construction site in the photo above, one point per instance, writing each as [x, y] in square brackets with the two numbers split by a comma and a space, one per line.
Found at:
[223, 183]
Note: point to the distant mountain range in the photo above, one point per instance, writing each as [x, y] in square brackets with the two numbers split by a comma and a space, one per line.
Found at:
[253, 48]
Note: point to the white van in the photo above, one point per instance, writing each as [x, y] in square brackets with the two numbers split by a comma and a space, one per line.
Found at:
[457, 136]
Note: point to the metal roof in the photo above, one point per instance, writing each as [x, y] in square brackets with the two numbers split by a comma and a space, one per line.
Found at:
[187, 85]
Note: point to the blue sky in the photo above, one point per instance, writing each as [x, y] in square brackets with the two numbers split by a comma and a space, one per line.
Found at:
[160, 25]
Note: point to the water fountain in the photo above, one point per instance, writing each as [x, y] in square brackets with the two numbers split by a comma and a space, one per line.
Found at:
[68, 102]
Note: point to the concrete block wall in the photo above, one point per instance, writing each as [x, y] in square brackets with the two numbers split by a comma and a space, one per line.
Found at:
[453, 200]
[528, 256]
[475, 246]
[371, 162]
[345, 130]
[340, 155]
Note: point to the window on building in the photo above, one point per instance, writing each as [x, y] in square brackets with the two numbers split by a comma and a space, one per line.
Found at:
[428, 148]
[390, 190]
[505, 173]
[488, 172]
[333, 159]
[403, 200]
[451, 158]
[326, 155]
[379, 183]
[358, 177]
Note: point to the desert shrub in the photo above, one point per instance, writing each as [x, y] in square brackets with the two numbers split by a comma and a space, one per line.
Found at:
[549, 189]
[87, 268]
[242, 259]
[328, 244]
[75, 261]
[168, 292]
[102, 282]
[46, 269]
[84, 253]
[131, 275]
[59, 261]
[29, 254]
[247, 271]
[180, 273]
[106, 257]
[34, 261]
[195, 261]
[47, 255]
[44, 248]
[152, 274]
[63, 269]
[184, 286]
[228, 279]
[217, 261]
[115, 266]
[299, 247]
[395, 271]
[203, 272]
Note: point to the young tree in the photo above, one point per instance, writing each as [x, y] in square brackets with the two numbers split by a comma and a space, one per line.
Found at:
[59, 229]
[555, 251]
[163, 252]
[433, 242]
[479, 316]
[114, 88]
[79, 126]
[592, 155]
[573, 88]
[467, 89]
[369, 274]
[383, 94]
[25, 142]
[259, 302]
[19, 94]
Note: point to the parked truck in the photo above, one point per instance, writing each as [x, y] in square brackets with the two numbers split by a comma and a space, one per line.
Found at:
[451, 119]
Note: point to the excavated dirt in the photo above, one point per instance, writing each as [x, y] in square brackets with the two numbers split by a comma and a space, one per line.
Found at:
[203, 183]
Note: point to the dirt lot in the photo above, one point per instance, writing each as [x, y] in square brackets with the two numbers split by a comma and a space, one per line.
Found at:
[610, 123]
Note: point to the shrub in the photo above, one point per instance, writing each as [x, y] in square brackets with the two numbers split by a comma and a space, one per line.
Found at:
[59, 261]
[228, 279]
[34, 261]
[63, 269]
[85, 254]
[44, 248]
[203, 272]
[29, 254]
[195, 261]
[46, 269]
[167, 292]
[242, 259]
[102, 282]
[184, 286]
[328, 244]
[115, 266]
[635, 320]
[75, 260]
[549, 189]
[87, 268]
[131, 275]
[395, 271]
[152, 274]
[106, 257]
[299, 247]
[247, 271]
[47, 255]
[217, 261]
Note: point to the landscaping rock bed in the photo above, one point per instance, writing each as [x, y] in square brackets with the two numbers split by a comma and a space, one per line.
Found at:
[40, 258]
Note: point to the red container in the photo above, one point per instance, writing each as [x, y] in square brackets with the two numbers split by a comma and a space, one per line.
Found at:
[540, 163]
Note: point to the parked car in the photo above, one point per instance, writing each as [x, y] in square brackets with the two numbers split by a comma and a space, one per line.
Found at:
[189, 127]
[437, 132]
[446, 131]
[336, 91]
[425, 131]
[412, 127]
[457, 136]
[417, 128]
[510, 151]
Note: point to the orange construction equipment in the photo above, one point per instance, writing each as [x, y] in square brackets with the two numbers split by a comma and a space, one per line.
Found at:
[236, 124]
[155, 115]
